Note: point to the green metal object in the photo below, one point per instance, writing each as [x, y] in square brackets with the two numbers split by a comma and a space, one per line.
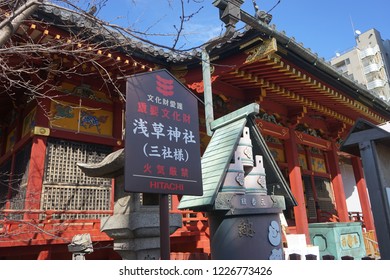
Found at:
[216, 159]
[338, 239]
[244, 224]
[276, 184]
[227, 131]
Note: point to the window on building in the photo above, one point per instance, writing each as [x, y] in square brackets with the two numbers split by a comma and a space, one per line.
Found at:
[19, 181]
[66, 187]
[342, 65]
[320, 201]
[13, 182]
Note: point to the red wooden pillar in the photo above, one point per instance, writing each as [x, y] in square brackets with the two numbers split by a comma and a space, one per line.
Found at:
[37, 162]
[117, 133]
[295, 176]
[35, 176]
[363, 194]
[117, 125]
[175, 202]
[337, 183]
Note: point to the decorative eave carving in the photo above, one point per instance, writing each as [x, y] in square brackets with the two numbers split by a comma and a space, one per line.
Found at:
[198, 86]
[297, 117]
[266, 48]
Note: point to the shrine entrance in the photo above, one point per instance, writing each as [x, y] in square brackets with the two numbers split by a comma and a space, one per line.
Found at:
[320, 201]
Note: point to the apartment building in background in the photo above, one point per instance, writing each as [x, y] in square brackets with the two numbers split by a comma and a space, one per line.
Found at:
[368, 63]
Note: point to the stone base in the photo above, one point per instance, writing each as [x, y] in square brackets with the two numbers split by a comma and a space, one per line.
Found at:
[137, 235]
[138, 248]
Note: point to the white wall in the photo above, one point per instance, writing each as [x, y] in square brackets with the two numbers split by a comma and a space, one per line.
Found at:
[350, 189]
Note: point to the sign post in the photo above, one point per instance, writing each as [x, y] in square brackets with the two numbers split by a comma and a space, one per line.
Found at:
[162, 146]
[165, 241]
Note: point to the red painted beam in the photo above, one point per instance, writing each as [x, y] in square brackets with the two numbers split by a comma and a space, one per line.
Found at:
[295, 175]
[35, 175]
[338, 186]
[363, 193]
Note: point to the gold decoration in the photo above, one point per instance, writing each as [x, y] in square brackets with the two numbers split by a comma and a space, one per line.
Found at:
[43, 131]
[268, 47]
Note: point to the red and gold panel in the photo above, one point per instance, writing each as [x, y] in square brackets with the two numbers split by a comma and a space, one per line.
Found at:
[302, 161]
[318, 165]
[278, 154]
[29, 122]
[83, 119]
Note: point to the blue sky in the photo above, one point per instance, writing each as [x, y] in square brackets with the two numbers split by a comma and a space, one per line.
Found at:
[326, 27]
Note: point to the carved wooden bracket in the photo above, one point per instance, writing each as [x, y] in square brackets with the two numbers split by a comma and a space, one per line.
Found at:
[266, 48]
[296, 117]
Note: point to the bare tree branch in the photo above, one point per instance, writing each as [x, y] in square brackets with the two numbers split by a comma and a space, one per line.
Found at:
[12, 23]
[33, 66]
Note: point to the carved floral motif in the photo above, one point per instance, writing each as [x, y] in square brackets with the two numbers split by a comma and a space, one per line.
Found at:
[198, 86]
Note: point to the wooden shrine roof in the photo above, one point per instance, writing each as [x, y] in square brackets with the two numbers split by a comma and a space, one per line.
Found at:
[270, 67]
[259, 64]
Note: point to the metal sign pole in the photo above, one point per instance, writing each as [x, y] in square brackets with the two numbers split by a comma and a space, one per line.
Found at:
[165, 249]
[208, 94]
